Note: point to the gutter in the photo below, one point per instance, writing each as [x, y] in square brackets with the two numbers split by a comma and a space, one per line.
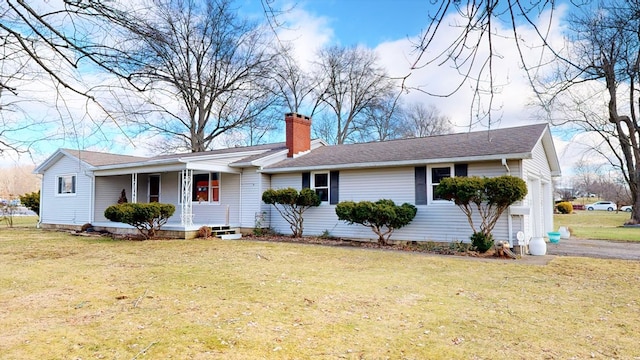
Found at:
[413, 162]
[509, 217]
[41, 208]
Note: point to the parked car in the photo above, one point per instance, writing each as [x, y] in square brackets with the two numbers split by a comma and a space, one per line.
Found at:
[601, 205]
[627, 208]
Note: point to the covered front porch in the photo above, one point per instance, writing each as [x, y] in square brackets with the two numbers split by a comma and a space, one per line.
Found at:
[203, 196]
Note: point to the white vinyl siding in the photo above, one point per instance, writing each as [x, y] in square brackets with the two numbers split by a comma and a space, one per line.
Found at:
[66, 209]
[226, 210]
[108, 192]
[253, 185]
[436, 221]
[110, 187]
[537, 173]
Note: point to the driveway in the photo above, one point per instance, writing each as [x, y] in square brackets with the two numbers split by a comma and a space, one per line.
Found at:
[603, 249]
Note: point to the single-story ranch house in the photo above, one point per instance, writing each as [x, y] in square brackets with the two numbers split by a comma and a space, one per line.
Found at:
[223, 188]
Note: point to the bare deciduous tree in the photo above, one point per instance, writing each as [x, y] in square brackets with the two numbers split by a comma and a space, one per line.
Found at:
[350, 81]
[604, 63]
[292, 84]
[203, 70]
[382, 120]
[420, 120]
[474, 48]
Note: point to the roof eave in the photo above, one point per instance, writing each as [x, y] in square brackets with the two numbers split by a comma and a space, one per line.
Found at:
[552, 155]
[55, 157]
[261, 161]
[413, 162]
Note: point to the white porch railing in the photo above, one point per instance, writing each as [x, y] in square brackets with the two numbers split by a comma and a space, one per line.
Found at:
[134, 187]
[187, 204]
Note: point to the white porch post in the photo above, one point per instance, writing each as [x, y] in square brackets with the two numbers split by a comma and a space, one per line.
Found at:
[186, 204]
[134, 187]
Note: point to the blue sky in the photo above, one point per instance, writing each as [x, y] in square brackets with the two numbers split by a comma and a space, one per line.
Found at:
[385, 26]
[370, 22]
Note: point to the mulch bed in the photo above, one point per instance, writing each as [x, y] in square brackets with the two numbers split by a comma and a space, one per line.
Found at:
[429, 247]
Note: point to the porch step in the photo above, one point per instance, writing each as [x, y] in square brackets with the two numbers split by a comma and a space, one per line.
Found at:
[225, 232]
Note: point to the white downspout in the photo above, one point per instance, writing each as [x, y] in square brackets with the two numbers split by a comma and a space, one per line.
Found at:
[509, 217]
[92, 197]
[41, 207]
[506, 166]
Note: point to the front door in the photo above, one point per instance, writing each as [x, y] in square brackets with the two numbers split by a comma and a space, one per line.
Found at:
[154, 188]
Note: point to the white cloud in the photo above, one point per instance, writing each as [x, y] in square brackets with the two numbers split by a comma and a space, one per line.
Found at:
[307, 32]
[512, 91]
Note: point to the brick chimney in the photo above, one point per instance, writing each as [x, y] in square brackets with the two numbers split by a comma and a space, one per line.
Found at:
[298, 133]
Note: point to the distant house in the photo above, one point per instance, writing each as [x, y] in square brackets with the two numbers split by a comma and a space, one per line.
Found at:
[223, 188]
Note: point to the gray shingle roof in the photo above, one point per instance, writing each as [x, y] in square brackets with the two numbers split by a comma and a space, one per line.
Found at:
[95, 158]
[516, 140]
[265, 147]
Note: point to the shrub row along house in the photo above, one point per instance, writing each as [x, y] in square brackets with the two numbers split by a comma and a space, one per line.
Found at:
[223, 188]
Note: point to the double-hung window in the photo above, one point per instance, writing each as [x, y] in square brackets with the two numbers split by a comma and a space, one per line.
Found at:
[320, 185]
[427, 178]
[206, 188]
[437, 174]
[66, 185]
[325, 184]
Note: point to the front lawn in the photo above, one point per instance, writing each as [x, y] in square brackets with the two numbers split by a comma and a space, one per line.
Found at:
[63, 296]
[598, 225]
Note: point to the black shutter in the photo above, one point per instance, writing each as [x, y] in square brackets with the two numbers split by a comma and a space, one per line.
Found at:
[460, 170]
[306, 180]
[73, 184]
[59, 184]
[421, 185]
[334, 184]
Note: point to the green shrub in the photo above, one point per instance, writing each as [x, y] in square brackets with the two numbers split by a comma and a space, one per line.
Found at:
[382, 216]
[564, 207]
[481, 241]
[292, 204]
[489, 197]
[31, 201]
[148, 218]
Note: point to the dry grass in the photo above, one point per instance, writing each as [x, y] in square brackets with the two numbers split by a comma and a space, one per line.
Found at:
[598, 225]
[73, 297]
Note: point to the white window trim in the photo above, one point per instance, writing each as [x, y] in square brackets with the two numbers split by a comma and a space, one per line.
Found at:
[312, 184]
[430, 183]
[208, 202]
[58, 181]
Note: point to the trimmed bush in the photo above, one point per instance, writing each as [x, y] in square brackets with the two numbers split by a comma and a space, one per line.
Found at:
[489, 197]
[292, 204]
[564, 207]
[482, 242]
[148, 218]
[382, 216]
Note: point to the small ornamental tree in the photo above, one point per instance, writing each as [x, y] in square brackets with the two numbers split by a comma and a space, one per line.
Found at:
[292, 204]
[148, 218]
[8, 210]
[382, 216]
[489, 196]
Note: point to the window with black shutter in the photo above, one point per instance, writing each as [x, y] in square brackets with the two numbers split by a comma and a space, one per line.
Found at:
[334, 187]
[421, 185]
